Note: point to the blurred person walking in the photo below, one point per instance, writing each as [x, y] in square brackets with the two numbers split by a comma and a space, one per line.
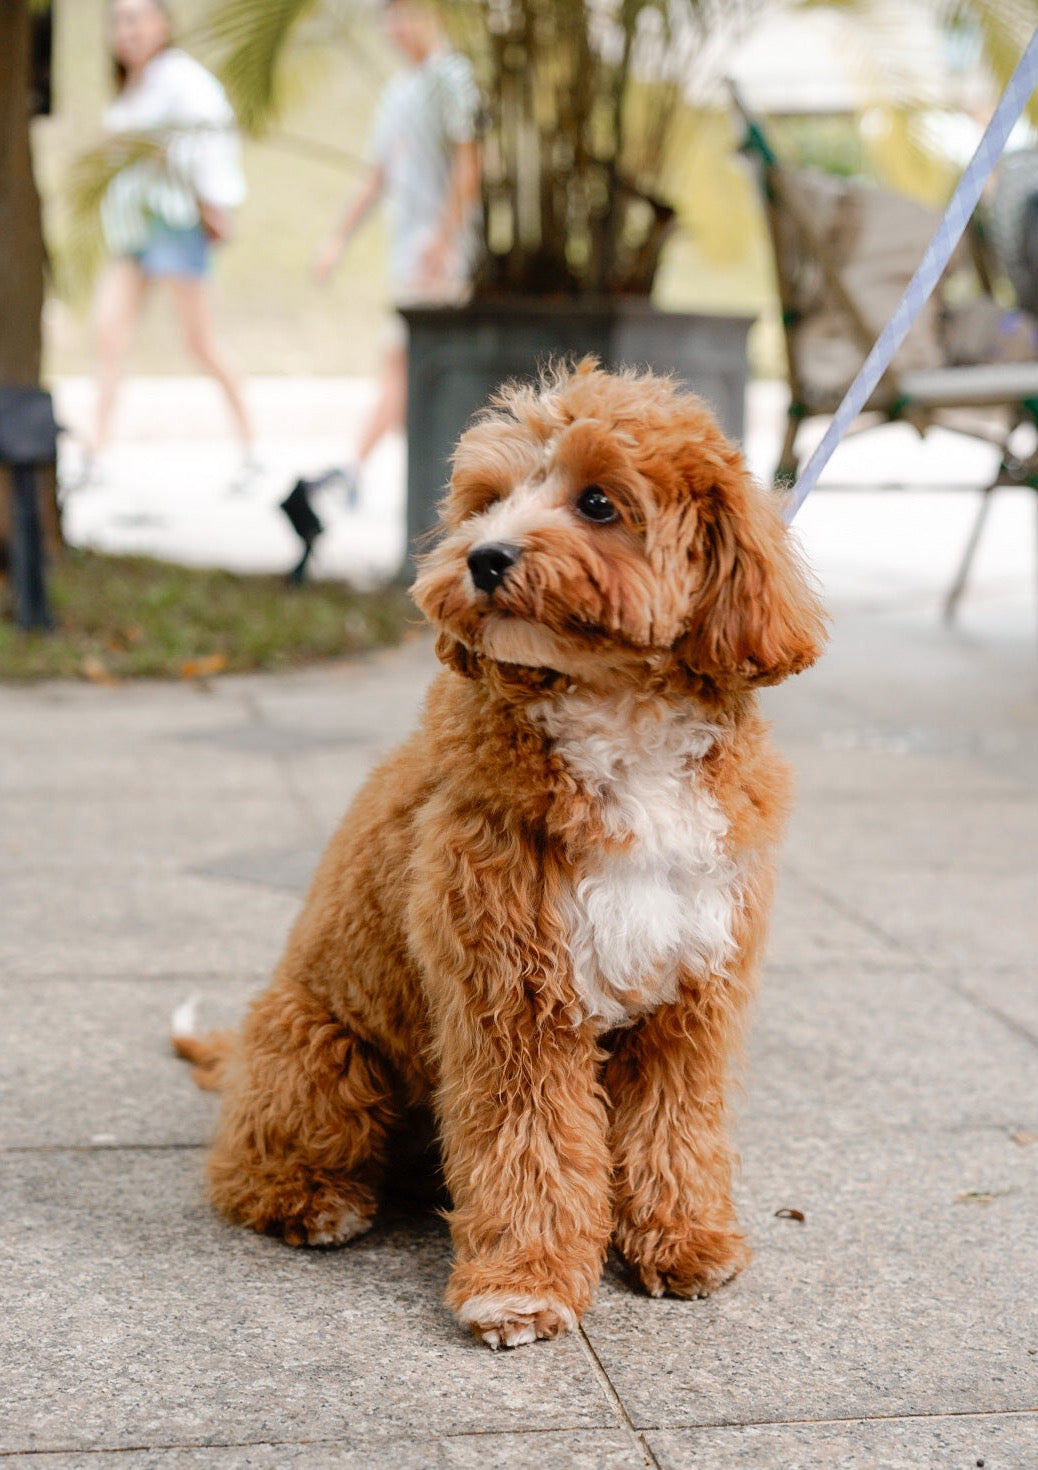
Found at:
[424, 163]
[161, 216]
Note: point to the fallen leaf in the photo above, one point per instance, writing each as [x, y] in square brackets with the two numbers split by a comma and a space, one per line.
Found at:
[203, 668]
[98, 672]
[1022, 1138]
[120, 639]
[981, 1196]
[797, 1215]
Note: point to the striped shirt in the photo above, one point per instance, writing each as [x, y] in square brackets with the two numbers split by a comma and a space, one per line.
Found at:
[182, 107]
[423, 114]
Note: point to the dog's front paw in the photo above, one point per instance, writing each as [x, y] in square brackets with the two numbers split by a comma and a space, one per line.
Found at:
[509, 1319]
[692, 1263]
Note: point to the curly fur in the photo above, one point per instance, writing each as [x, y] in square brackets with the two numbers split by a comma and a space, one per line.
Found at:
[543, 916]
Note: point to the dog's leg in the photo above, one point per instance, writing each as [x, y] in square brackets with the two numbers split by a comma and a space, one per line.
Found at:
[675, 1221]
[307, 1108]
[524, 1133]
[522, 1116]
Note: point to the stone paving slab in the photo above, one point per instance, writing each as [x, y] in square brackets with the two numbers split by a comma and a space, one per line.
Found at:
[858, 838]
[899, 1295]
[134, 1318]
[88, 1063]
[995, 1441]
[868, 1049]
[810, 925]
[288, 868]
[156, 838]
[148, 833]
[860, 761]
[951, 916]
[142, 923]
[1006, 991]
[130, 766]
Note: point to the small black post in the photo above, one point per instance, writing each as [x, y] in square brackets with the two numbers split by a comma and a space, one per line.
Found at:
[27, 579]
[28, 438]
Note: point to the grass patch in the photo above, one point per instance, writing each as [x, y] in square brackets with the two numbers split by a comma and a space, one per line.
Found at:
[126, 617]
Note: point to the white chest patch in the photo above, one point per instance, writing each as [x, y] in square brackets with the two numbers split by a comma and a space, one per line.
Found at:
[668, 899]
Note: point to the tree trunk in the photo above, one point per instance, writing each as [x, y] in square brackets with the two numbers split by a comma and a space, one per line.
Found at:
[22, 249]
[21, 229]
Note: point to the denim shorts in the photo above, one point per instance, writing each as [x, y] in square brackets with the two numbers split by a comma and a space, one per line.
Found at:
[173, 252]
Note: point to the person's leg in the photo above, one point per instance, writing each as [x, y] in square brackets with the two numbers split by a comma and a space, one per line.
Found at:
[387, 414]
[390, 408]
[191, 298]
[117, 308]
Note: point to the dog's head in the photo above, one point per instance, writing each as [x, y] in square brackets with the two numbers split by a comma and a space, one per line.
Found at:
[600, 527]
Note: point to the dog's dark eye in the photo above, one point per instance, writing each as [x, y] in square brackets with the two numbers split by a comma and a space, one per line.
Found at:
[594, 505]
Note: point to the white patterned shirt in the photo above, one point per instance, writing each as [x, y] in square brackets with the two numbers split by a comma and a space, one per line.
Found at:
[181, 106]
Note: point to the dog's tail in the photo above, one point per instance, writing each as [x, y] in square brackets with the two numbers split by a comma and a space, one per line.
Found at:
[209, 1053]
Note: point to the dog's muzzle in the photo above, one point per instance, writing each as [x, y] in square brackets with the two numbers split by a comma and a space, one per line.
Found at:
[489, 564]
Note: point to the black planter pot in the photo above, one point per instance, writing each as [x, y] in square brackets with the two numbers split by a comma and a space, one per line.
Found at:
[457, 356]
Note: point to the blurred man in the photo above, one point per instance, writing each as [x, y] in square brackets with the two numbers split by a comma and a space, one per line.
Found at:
[424, 162]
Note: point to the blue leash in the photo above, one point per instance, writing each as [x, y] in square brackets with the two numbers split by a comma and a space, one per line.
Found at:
[963, 202]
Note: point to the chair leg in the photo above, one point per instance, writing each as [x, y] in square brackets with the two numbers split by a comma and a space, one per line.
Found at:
[786, 470]
[958, 586]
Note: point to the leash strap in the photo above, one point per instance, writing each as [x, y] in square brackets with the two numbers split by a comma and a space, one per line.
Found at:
[963, 202]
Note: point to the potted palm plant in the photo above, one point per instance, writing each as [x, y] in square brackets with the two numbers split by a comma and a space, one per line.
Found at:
[581, 101]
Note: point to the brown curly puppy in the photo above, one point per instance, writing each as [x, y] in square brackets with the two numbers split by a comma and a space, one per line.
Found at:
[544, 914]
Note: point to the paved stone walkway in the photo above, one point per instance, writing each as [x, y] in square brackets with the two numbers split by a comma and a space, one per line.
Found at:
[154, 842]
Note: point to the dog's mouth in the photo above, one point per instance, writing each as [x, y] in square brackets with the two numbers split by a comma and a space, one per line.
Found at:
[511, 639]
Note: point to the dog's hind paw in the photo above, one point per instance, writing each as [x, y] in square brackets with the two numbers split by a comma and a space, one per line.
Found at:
[330, 1227]
[510, 1319]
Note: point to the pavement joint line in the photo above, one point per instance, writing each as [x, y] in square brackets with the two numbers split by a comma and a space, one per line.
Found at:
[255, 714]
[916, 957]
[387, 1441]
[373, 1443]
[616, 1403]
[918, 1127]
[995, 1012]
[848, 911]
[924, 1416]
[18, 979]
[99, 1148]
[1024, 795]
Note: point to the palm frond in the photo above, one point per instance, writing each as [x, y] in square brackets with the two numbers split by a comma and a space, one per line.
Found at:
[1005, 28]
[1001, 30]
[82, 247]
[250, 39]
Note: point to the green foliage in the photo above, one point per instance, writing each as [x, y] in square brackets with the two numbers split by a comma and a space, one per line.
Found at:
[131, 617]
[249, 39]
[1003, 28]
[581, 109]
[83, 247]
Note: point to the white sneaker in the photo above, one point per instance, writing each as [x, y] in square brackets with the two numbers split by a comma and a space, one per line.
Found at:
[90, 474]
[245, 476]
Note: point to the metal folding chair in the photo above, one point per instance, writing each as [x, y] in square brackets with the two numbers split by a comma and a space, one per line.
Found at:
[844, 252]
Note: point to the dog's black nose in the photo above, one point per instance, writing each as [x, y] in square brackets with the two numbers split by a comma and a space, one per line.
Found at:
[489, 564]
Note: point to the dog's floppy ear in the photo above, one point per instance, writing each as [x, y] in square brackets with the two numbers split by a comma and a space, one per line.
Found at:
[755, 617]
[452, 652]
